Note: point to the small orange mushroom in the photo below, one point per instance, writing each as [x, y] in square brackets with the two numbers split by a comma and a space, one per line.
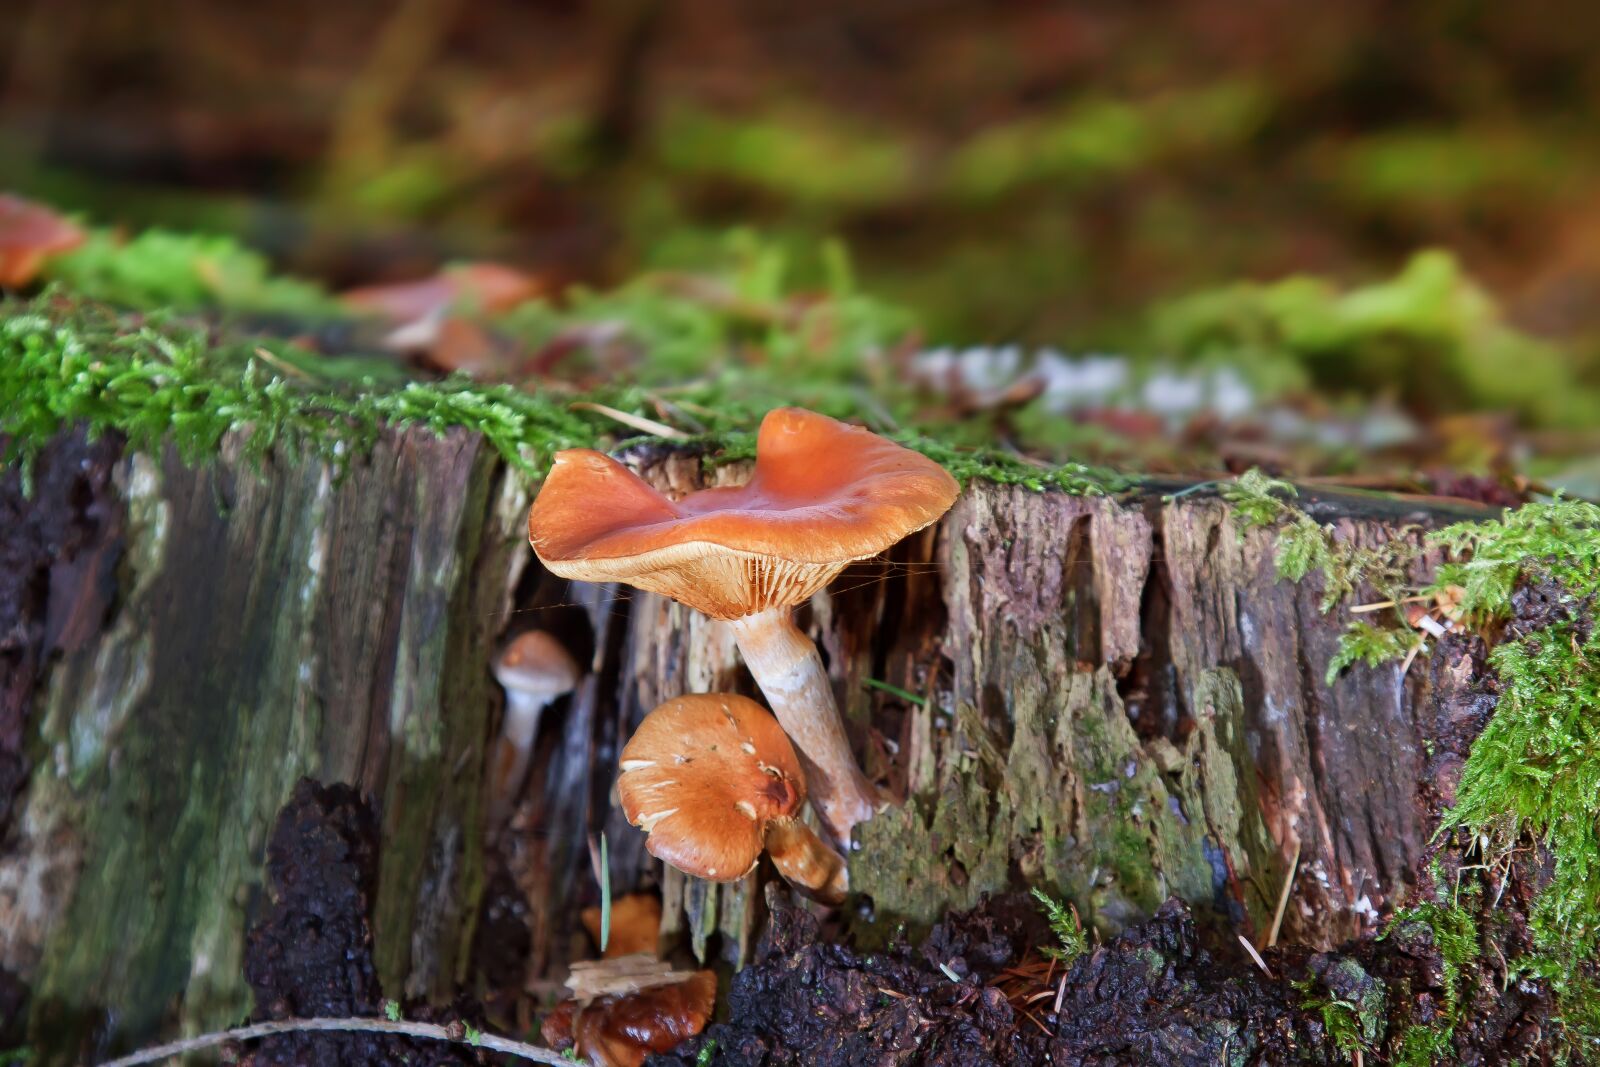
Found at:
[635, 925]
[29, 234]
[627, 1008]
[713, 780]
[823, 495]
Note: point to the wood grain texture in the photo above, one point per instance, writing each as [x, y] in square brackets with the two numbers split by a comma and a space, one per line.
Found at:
[270, 624]
[1117, 699]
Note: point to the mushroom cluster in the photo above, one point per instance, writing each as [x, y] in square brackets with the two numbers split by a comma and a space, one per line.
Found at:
[822, 496]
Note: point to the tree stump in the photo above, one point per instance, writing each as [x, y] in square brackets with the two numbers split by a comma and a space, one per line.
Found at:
[1114, 699]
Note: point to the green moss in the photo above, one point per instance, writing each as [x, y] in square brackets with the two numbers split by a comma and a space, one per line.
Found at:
[1353, 1021]
[159, 269]
[163, 378]
[1306, 546]
[1423, 1046]
[1419, 168]
[1535, 769]
[714, 353]
[1098, 137]
[1429, 333]
[1065, 926]
[1454, 933]
[1339, 1019]
[1559, 540]
[796, 154]
[1363, 642]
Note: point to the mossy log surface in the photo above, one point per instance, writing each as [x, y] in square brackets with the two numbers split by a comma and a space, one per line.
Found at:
[1117, 699]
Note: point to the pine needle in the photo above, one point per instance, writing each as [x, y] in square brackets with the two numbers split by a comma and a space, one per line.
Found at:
[605, 893]
[1283, 897]
[637, 422]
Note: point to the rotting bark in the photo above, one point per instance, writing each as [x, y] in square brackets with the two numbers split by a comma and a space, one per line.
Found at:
[268, 624]
[58, 559]
[1121, 702]
[1198, 744]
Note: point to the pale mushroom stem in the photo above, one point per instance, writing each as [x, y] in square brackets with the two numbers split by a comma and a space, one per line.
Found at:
[804, 860]
[513, 750]
[789, 671]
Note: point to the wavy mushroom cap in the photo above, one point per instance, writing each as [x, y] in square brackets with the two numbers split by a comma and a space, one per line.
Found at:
[823, 495]
[703, 776]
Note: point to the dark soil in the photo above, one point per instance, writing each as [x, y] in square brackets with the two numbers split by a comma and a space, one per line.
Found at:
[311, 954]
[1152, 995]
[59, 549]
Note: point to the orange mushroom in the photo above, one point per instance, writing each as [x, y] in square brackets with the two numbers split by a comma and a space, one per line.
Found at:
[29, 234]
[635, 925]
[534, 670]
[713, 780]
[624, 1009]
[823, 495]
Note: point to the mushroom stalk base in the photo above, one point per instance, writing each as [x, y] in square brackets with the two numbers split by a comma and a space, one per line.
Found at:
[805, 861]
[789, 671]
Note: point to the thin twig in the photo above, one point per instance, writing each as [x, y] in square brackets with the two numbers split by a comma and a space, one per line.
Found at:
[1248, 947]
[638, 422]
[1379, 605]
[1283, 898]
[1191, 490]
[280, 363]
[1411, 657]
[428, 1031]
[667, 409]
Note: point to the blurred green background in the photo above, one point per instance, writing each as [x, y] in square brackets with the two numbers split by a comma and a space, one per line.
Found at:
[1090, 176]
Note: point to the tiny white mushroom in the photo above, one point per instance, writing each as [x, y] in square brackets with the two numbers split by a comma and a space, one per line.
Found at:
[534, 669]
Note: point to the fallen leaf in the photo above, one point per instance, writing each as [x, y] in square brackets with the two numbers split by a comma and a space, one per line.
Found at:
[29, 234]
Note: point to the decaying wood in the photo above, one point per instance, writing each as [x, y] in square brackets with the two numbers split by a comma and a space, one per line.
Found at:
[1118, 700]
[268, 625]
